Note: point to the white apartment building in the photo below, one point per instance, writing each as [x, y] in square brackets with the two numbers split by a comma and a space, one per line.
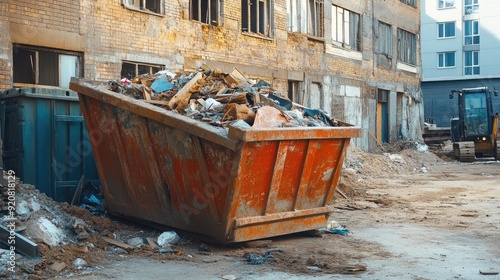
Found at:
[460, 48]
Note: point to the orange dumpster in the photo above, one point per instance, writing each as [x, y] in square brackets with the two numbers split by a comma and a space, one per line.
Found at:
[226, 186]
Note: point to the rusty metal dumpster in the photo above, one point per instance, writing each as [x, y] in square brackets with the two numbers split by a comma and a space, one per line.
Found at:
[166, 169]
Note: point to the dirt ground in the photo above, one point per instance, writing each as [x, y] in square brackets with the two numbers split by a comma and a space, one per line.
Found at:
[410, 214]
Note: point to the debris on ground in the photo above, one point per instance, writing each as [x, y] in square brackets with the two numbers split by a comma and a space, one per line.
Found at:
[262, 258]
[218, 98]
[73, 240]
[335, 228]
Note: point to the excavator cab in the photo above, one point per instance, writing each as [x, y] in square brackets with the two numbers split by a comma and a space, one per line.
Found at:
[474, 132]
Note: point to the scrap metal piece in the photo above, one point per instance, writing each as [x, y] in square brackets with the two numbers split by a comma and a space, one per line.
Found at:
[23, 245]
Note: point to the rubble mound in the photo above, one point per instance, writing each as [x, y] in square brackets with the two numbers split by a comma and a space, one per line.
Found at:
[404, 158]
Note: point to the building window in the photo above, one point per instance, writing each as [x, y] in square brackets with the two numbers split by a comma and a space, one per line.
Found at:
[407, 47]
[346, 28]
[410, 2]
[206, 11]
[471, 7]
[446, 4]
[385, 39]
[446, 30]
[131, 70]
[446, 59]
[471, 63]
[257, 17]
[471, 32]
[43, 66]
[155, 6]
[306, 16]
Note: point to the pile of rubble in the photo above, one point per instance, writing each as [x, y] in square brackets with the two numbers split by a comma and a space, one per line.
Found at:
[64, 237]
[220, 99]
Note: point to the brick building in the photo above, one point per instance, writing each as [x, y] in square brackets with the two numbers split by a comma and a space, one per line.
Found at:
[359, 60]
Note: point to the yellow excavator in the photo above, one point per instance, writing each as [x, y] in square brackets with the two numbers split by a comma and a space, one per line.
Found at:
[474, 132]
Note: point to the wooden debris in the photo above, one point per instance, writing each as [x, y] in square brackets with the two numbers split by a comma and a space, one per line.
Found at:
[117, 243]
[58, 266]
[157, 102]
[340, 192]
[151, 241]
[240, 112]
[183, 95]
[240, 98]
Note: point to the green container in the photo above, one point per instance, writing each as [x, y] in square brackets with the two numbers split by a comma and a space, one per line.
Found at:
[45, 141]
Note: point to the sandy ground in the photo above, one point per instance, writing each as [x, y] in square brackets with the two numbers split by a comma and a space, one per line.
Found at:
[411, 215]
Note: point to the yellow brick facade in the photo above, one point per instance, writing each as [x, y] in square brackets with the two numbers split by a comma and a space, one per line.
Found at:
[108, 33]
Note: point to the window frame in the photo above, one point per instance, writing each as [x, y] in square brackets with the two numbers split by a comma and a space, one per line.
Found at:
[474, 65]
[306, 16]
[474, 7]
[142, 6]
[35, 64]
[472, 36]
[407, 51]
[137, 65]
[385, 43]
[442, 28]
[443, 5]
[345, 29]
[443, 60]
[409, 2]
[212, 13]
[251, 26]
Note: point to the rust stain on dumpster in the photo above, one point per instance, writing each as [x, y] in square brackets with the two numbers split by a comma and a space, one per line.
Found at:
[165, 169]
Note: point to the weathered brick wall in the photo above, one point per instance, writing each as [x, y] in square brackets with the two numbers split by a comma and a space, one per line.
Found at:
[108, 33]
[5, 48]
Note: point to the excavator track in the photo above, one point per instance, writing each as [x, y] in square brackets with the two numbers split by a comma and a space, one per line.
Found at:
[465, 151]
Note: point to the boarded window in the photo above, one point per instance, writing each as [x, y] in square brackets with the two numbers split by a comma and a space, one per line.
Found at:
[385, 39]
[407, 47]
[45, 66]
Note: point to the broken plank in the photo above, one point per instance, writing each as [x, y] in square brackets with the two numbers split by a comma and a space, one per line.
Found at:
[151, 241]
[340, 192]
[184, 93]
[157, 102]
[117, 243]
[240, 98]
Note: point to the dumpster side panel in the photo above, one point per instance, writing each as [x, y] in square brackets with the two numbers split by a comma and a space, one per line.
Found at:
[125, 157]
[275, 202]
[157, 173]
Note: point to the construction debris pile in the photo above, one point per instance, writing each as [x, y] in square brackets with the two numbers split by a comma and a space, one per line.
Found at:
[220, 99]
